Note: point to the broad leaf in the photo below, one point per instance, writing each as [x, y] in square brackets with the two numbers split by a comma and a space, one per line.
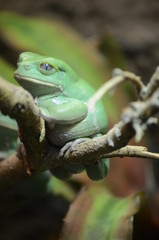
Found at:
[96, 214]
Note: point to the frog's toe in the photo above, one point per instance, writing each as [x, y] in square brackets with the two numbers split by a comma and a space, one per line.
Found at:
[98, 171]
[61, 173]
[71, 145]
[75, 167]
[76, 142]
[64, 149]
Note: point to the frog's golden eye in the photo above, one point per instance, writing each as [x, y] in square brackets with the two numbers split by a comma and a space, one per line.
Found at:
[47, 66]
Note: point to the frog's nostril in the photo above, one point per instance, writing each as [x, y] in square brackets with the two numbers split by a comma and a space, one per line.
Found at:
[27, 66]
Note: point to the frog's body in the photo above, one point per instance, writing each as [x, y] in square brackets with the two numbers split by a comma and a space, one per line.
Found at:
[88, 123]
[63, 99]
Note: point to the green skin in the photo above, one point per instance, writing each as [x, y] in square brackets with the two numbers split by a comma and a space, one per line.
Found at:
[62, 97]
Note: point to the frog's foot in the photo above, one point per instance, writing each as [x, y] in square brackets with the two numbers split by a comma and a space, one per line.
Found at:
[99, 170]
[75, 168]
[71, 145]
[61, 173]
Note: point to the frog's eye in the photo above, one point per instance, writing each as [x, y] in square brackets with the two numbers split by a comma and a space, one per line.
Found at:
[47, 68]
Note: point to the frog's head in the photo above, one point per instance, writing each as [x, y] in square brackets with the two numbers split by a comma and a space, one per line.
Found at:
[42, 75]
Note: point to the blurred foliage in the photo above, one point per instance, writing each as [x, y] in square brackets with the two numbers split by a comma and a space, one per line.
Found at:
[109, 47]
[103, 213]
[61, 188]
[6, 70]
[96, 214]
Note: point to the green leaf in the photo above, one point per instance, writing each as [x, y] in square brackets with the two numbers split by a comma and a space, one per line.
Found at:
[96, 214]
[6, 71]
[110, 49]
[62, 188]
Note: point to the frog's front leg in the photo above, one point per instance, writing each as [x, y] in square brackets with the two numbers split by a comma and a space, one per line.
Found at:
[71, 145]
[95, 171]
[71, 168]
[46, 116]
[62, 110]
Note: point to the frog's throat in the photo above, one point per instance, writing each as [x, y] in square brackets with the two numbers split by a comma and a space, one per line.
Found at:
[33, 80]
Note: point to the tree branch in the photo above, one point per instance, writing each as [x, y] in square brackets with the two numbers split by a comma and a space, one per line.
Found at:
[133, 151]
[18, 103]
[119, 76]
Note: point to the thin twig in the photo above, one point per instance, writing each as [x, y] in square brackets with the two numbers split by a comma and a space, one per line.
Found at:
[133, 151]
[120, 76]
[152, 85]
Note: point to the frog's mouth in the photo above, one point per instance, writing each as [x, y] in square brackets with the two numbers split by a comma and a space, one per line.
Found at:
[35, 86]
[33, 80]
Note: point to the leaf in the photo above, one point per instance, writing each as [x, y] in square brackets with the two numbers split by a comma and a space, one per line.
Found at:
[110, 49]
[96, 214]
[62, 188]
[6, 71]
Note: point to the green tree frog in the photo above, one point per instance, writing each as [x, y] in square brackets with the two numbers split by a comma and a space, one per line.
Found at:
[62, 97]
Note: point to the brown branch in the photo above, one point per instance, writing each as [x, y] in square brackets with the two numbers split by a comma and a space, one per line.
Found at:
[18, 103]
[152, 85]
[12, 171]
[133, 151]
